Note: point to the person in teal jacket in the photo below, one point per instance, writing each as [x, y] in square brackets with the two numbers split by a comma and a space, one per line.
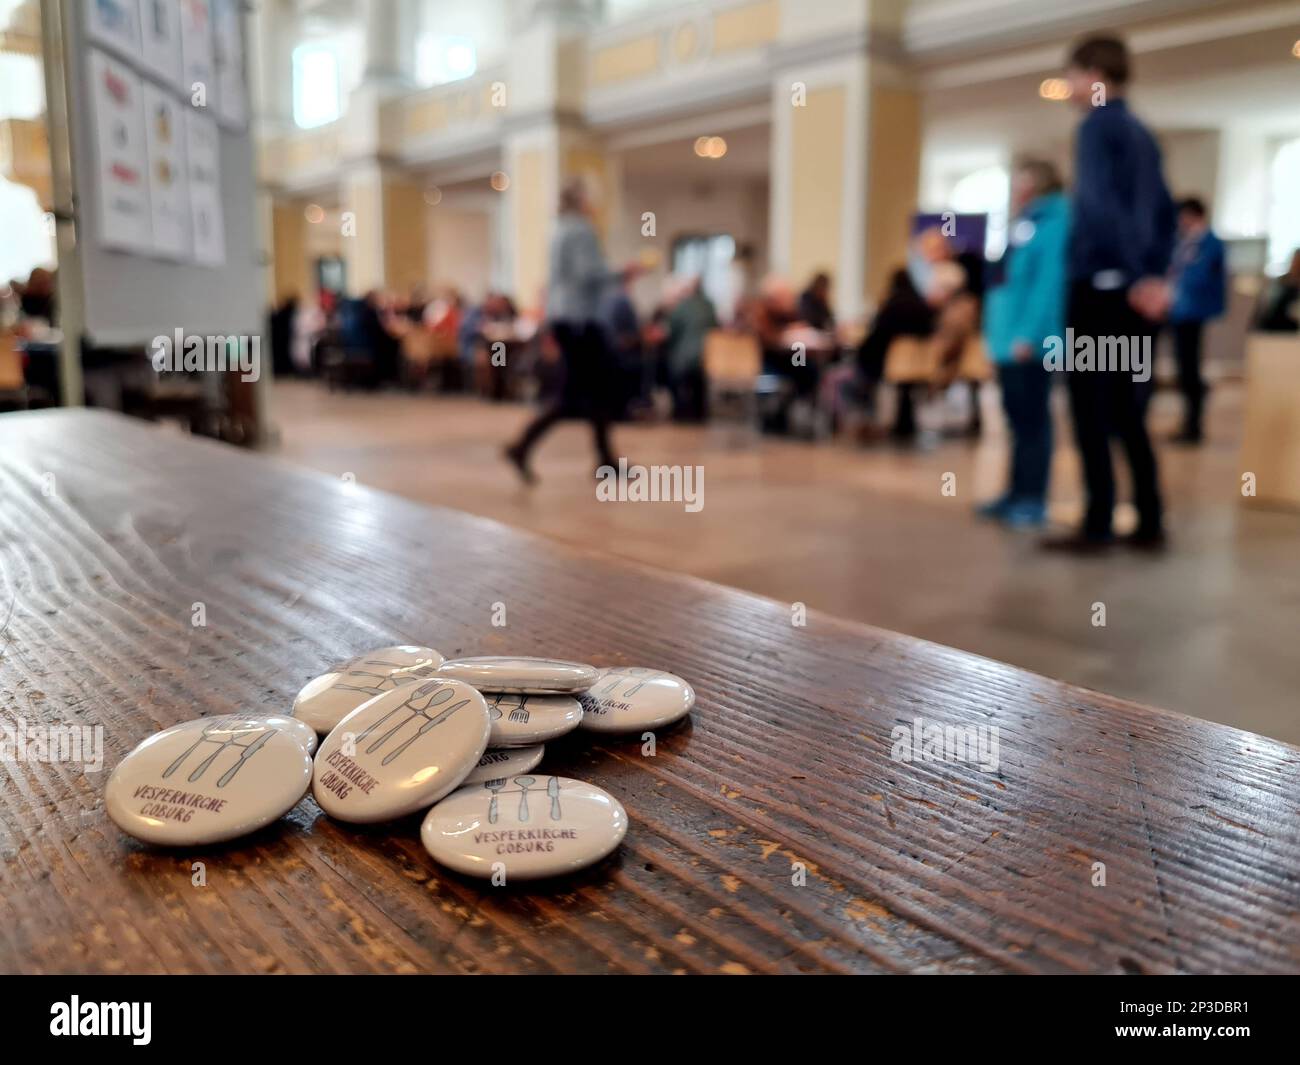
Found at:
[1020, 314]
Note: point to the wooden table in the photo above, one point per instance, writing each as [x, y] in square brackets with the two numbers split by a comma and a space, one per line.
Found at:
[111, 531]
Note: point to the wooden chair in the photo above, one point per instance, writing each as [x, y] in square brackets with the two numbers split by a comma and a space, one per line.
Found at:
[733, 363]
[912, 360]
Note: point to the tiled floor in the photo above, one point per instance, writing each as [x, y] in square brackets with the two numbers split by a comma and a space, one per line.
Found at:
[1209, 629]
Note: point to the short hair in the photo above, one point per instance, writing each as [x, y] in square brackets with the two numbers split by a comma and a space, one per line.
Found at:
[1044, 173]
[573, 195]
[1194, 204]
[1104, 53]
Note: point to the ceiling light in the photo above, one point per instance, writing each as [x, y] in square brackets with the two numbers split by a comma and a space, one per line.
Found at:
[1054, 89]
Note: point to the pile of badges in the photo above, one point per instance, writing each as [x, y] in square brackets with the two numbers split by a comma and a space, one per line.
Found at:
[406, 730]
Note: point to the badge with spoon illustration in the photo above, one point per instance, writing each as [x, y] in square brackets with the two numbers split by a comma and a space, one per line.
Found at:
[401, 751]
[526, 827]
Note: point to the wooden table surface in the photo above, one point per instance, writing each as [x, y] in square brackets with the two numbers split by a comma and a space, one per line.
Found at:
[111, 531]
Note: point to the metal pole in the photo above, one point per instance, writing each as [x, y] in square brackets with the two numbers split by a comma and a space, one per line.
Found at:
[55, 33]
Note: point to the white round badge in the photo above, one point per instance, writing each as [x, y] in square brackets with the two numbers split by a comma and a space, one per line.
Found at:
[522, 720]
[632, 698]
[208, 780]
[525, 826]
[328, 699]
[504, 763]
[401, 751]
[523, 676]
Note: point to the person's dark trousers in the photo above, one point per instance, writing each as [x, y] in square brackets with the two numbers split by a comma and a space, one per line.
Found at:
[586, 393]
[690, 396]
[1187, 351]
[1026, 388]
[1111, 402]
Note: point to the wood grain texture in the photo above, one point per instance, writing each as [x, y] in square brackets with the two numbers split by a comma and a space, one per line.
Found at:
[110, 531]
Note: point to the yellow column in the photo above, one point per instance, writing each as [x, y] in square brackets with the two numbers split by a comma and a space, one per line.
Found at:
[383, 228]
[290, 272]
[845, 164]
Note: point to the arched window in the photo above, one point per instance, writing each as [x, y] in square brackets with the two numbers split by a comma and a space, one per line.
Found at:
[315, 85]
[1284, 207]
[986, 191]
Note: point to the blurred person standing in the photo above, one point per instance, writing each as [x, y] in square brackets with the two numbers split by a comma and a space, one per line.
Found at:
[1019, 315]
[1198, 281]
[689, 323]
[1120, 246]
[578, 278]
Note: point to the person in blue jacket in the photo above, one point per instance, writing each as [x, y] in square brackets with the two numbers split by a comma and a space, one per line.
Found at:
[1019, 315]
[1198, 281]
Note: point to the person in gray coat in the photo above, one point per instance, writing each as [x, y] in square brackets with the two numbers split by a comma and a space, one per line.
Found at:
[579, 278]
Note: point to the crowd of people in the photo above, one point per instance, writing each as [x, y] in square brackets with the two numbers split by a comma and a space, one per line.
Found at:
[1113, 258]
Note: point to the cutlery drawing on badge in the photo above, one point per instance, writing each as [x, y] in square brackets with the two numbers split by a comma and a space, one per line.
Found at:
[225, 738]
[494, 786]
[372, 683]
[638, 674]
[517, 704]
[423, 700]
[497, 788]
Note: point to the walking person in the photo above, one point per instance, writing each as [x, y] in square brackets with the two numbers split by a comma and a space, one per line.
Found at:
[1198, 281]
[578, 279]
[1120, 246]
[1020, 314]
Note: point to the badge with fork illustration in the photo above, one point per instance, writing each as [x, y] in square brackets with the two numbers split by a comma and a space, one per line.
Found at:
[523, 787]
[515, 705]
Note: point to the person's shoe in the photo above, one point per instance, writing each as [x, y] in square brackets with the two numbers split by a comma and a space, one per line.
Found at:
[1141, 540]
[516, 459]
[1078, 544]
[1026, 514]
[994, 509]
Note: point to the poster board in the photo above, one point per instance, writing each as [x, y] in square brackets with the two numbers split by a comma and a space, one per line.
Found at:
[190, 259]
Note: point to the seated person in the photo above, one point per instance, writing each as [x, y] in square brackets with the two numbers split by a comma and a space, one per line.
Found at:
[689, 324]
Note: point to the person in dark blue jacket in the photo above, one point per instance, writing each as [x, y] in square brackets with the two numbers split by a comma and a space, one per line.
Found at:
[1121, 239]
[1198, 281]
[1020, 314]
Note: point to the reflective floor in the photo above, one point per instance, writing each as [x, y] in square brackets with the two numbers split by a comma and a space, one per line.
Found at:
[1208, 629]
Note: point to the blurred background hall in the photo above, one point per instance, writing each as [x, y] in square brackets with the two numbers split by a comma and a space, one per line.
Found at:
[761, 175]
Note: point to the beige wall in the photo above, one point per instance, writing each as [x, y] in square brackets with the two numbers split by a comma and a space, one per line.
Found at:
[893, 174]
[460, 250]
[290, 267]
[406, 260]
[532, 215]
[816, 183]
